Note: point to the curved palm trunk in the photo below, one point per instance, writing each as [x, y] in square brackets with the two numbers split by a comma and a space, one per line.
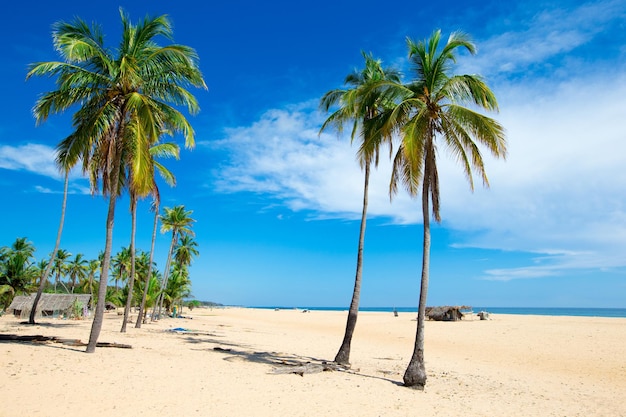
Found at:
[131, 279]
[149, 274]
[44, 276]
[415, 374]
[343, 356]
[165, 278]
[98, 318]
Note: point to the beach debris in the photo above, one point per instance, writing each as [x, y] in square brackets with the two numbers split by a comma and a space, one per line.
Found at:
[221, 349]
[306, 368]
[54, 339]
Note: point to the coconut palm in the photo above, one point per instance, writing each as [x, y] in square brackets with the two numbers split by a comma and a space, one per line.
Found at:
[432, 110]
[120, 264]
[18, 272]
[178, 221]
[178, 286]
[139, 189]
[77, 269]
[357, 104]
[185, 250]
[60, 266]
[60, 161]
[92, 268]
[123, 99]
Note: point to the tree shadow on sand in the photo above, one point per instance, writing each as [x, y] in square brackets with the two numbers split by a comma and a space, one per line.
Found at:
[280, 362]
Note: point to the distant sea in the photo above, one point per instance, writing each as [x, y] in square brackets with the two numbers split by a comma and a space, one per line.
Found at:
[539, 311]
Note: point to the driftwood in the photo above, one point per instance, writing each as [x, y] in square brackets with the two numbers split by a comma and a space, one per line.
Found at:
[307, 368]
[54, 339]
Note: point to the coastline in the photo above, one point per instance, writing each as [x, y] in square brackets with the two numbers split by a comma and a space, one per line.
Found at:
[510, 365]
[535, 311]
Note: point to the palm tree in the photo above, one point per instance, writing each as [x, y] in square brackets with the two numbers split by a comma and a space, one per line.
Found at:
[18, 272]
[120, 264]
[432, 107]
[138, 189]
[60, 160]
[77, 269]
[60, 266]
[123, 99]
[178, 286]
[358, 104]
[185, 250]
[92, 267]
[178, 221]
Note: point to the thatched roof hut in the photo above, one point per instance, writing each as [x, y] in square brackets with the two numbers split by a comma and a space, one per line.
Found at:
[49, 304]
[446, 313]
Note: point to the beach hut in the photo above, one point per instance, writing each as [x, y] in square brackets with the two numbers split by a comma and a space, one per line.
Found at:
[446, 313]
[50, 305]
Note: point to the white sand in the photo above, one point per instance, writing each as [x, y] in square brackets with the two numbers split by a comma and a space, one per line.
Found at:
[508, 366]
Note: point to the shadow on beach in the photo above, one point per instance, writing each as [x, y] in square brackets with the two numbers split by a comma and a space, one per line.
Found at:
[281, 363]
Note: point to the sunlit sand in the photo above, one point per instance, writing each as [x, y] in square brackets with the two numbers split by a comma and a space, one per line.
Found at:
[236, 362]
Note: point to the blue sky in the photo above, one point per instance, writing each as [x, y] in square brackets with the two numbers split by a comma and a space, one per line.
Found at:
[278, 207]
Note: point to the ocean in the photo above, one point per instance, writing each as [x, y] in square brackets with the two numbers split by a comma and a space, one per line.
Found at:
[540, 311]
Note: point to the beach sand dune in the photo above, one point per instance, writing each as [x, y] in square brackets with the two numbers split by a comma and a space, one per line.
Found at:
[236, 362]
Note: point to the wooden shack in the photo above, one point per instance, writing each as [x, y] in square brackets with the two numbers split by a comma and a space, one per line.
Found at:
[50, 305]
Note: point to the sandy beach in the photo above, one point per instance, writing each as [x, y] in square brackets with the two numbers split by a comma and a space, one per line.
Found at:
[238, 362]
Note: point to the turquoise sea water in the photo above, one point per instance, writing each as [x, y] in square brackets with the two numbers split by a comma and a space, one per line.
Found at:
[540, 311]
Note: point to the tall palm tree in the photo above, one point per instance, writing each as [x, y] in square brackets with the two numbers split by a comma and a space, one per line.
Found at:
[45, 272]
[123, 98]
[148, 276]
[432, 110]
[358, 104]
[178, 221]
[77, 269]
[140, 189]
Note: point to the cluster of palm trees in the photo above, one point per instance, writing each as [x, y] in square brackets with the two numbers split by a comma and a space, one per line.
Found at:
[21, 273]
[435, 110]
[127, 99]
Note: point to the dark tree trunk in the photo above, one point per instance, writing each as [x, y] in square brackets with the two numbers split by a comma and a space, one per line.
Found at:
[131, 279]
[343, 356]
[142, 307]
[44, 276]
[415, 374]
[98, 318]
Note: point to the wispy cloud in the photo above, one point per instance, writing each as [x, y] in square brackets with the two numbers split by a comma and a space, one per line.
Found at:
[31, 157]
[282, 154]
[560, 194]
[39, 159]
[537, 40]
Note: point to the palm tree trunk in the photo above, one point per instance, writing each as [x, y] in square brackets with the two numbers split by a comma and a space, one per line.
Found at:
[343, 356]
[98, 318]
[165, 277]
[44, 276]
[415, 374]
[131, 280]
[145, 290]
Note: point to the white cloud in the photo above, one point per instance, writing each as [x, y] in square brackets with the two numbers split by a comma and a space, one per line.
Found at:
[546, 34]
[39, 159]
[561, 194]
[30, 157]
[283, 155]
